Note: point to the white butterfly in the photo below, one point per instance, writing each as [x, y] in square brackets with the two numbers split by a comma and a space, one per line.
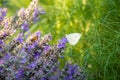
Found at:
[73, 38]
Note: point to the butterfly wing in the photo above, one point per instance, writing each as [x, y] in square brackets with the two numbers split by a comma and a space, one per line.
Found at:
[73, 38]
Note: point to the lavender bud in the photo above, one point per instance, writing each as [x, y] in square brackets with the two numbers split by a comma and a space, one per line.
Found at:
[25, 26]
[62, 43]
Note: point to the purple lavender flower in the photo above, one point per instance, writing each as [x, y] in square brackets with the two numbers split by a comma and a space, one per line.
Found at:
[1, 49]
[62, 43]
[6, 24]
[43, 78]
[43, 12]
[23, 60]
[1, 18]
[32, 46]
[36, 15]
[2, 13]
[54, 78]
[19, 74]
[46, 48]
[36, 12]
[36, 55]
[25, 26]
[32, 65]
[5, 34]
[1, 68]
[70, 69]
[7, 56]
[72, 72]
[1, 61]
[1, 42]
[36, 19]
[20, 39]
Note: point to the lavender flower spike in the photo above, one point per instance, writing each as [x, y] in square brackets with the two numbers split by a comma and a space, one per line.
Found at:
[32, 57]
[62, 42]
[25, 26]
[2, 13]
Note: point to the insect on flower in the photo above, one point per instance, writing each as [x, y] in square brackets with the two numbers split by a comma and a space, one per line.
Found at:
[34, 38]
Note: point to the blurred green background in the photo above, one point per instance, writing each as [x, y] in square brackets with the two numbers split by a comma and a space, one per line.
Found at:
[98, 50]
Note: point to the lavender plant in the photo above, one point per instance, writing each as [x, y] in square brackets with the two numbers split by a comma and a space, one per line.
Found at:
[31, 57]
